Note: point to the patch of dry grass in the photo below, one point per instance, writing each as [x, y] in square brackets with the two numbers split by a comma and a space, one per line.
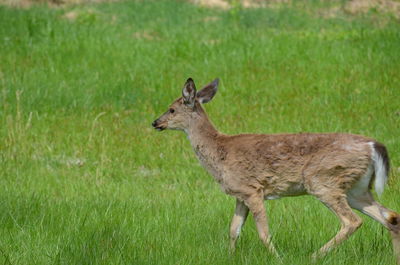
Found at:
[50, 3]
[364, 6]
[227, 4]
[353, 7]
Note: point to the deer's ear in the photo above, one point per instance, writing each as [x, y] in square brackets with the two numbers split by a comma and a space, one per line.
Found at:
[189, 92]
[208, 92]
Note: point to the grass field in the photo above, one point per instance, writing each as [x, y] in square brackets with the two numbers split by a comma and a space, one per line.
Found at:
[84, 179]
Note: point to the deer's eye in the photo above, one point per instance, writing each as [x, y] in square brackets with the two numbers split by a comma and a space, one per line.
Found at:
[171, 110]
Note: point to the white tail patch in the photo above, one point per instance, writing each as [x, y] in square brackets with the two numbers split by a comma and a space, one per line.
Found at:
[380, 171]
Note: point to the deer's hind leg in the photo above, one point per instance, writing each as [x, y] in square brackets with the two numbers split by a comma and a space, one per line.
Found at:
[350, 221]
[365, 203]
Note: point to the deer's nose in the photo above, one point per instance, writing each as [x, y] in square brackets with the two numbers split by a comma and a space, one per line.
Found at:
[154, 124]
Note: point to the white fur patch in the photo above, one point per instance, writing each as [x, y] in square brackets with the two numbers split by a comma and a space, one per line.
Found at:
[380, 170]
[239, 228]
[362, 184]
[272, 197]
[386, 215]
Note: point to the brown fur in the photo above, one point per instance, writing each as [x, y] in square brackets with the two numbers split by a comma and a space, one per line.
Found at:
[336, 168]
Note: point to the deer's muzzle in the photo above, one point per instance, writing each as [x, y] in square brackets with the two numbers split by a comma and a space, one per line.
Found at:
[157, 126]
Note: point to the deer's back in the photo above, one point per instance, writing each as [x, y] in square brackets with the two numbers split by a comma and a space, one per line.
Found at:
[293, 164]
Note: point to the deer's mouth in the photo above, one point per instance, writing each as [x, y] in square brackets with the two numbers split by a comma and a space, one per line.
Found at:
[157, 126]
[160, 128]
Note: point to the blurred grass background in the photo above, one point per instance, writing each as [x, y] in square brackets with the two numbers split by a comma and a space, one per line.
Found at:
[84, 179]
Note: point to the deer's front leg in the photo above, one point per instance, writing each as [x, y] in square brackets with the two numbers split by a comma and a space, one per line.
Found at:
[256, 206]
[238, 220]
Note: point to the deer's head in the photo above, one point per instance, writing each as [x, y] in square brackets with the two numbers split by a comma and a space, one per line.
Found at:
[181, 111]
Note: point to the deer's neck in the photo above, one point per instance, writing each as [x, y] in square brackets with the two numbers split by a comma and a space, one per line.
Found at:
[204, 139]
[201, 130]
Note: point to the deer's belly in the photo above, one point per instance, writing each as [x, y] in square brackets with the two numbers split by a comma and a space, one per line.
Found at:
[290, 189]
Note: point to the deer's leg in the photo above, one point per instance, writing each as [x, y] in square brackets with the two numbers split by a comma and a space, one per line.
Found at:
[350, 221]
[238, 220]
[388, 218]
[256, 206]
[366, 204]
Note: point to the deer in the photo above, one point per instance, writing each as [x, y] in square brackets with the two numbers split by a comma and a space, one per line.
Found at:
[339, 169]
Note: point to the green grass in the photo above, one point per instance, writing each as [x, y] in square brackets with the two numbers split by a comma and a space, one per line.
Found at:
[84, 179]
